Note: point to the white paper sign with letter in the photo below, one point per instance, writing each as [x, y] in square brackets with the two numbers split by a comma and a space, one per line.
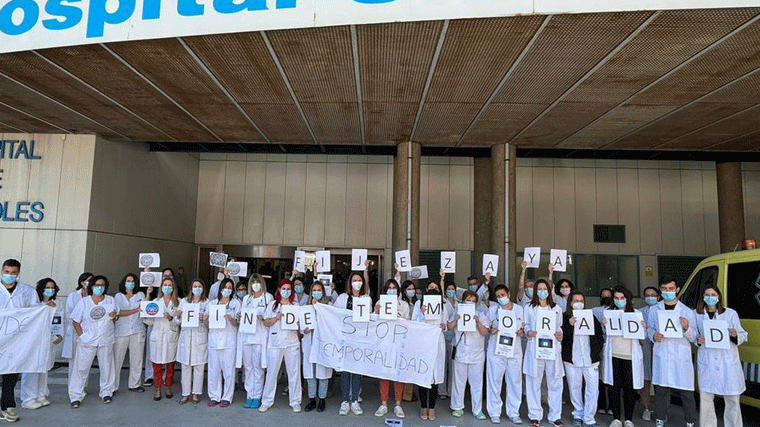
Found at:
[248, 323]
[358, 258]
[299, 261]
[290, 315]
[190, 315]
[490, 264]
[669, 323]
[449, 262]
[216, 315]
[466, 322]
[632, 326]
[322, 261]
[433, 307]
[614, 323]
[404, 261]
[558, 258]
[308, 318]
[388, 307]
[584, 322]
[362, 307]
[716, 334]
[507, 322]
[533, 257]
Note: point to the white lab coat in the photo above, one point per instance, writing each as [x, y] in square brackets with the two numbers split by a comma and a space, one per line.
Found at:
[637, 363]
[97, 339]
[69, 337]
[671, 358]
[469, 363]
[446, 315]
[164, 337]
[222, 346]
[192, 349]
[281, 345]
[646, 348]
[260, 337]
[500, 368]
[24, 296]
[720, 371]
[535, 369]
[530, 362]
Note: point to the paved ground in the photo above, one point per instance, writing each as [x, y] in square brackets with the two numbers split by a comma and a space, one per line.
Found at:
[131, 409]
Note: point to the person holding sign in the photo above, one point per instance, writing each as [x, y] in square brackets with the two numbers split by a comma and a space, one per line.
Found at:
[93, 319]
[469, 357]
[70, 338]
[222, 343]
[391, 288]
[163, 339]
[451, 299]
[316, 376]
[428, 396]
[672, 366]
[351, 384]
[623, 362]
[254, 344]
[302, 298]
[525, 288]
[719, 369]
[281, 344]
[192, 353]
[651, 297]
[538, 326]
[562, 289]
[506, 319]
[581, 354]
[129, 333]
[34, 386]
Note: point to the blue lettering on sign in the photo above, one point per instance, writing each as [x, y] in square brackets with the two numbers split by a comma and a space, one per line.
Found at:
[31, 14]
[70, 15]
[99, 16]
[24, 211]
[15, 149]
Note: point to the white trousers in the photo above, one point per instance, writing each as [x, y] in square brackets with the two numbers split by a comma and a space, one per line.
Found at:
[554, 386]
[148, 363]
[445, 388]
[83, 359]
[72, 360]
[221, 363]
[292, 357]
[192, 379]
[467, 373]
[253, 370]
[732, 416]
[584, 405]
[135, 343]
[34, 386]
[498, 370]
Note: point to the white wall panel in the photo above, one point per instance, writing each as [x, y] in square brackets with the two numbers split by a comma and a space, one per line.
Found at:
[424, 204]
[543, 207]
[274, 203]
[356, 205]
[650, 219]
[295, 204]
[564, 205]
[671, 211]
[628, 209]
[606, 204]
[585, 209]
[314, 217]
[210, 213]
[379, 196]
[693, 205]
[460, 220]
[710, 197]
[524, 190]
[234, 202]
[335, 211]
[255, 191]
[438, 201]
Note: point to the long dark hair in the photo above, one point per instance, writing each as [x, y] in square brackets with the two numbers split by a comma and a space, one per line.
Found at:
[702, 305]
[388, 283]
[82, 278]
[628, 299]
[123, 288]
[558, 287]
[535, 302]
[404, 286]
[41, 287]
[569, 309]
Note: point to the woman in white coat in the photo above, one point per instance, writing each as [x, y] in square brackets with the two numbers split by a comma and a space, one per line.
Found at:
[350, 383]
[130, 333]
[282, 344]
[222, 344]
[164, 339]
[651, 297]
[192, 352]
[499, 368]
[70, 338]
[391, 287]
[253, 347]
[93, 320]
[720, 371]
[34, 386]
[623, 367]
[316, 375]
[534, 368]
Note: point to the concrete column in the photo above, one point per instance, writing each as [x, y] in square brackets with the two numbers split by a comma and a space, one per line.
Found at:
[482, 211]
[730, 205]
[503, 209]
[406, 199]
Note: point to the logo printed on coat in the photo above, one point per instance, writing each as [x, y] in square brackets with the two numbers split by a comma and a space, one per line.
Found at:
[97, 312]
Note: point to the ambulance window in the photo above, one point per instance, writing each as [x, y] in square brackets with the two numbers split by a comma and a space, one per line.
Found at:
[744, 289]
[693, 293]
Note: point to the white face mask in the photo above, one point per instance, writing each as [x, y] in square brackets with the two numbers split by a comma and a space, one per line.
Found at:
[356, 285]
[577, 306]
[256, 286]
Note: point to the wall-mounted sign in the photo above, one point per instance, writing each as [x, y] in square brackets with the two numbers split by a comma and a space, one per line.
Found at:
[23, 210]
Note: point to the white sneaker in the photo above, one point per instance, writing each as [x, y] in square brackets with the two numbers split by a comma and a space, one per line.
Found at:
[398, 412]
[628, 423]
[34, 404]
[356, 408]
[9, 415]
[44, 401]
[296, 408]
[689, 424]
[496, 420]
[343, 408]
[516, 420]
[616, 423]
[382, 410]
[264, 408]
[646, 415]
[659, 423]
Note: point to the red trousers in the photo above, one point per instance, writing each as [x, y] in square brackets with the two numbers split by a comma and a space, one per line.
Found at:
[158, 374]
[398, 390]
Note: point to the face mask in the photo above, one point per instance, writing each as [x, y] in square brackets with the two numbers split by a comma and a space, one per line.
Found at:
[219, 276]
[285, 293]
[356, 285]
[651, 300]
[411, 293]
[578, 306]
[433, 292]
[606, 301]
[669, 296]
[711, 300]
[316, 295]
[299, 289]
[620, 303]
[226, 292]
[392, 292]
[98, 290]
[503, 300]
[529, 292]
[241, 294]
[469, 301]
[256, 286]
[565, 291]
[9, 279]
[167, 290]
[543, 294]
[86, 284]
[451, 294]
[50, 292]
[473, 288]
[197, 291]
[129, 285]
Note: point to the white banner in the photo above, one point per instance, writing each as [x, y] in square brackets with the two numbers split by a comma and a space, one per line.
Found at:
[21, 332]
[397, 350]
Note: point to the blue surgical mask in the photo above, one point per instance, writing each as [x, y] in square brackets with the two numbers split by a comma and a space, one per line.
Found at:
[48, 292]
[9, 279]
[503, 300]
[411, 293]
[285, 293]
[543, 294]
[241, 294]
[129, 285]
[299, 289]
[473, 288]
[529, 292]
[620, 303]
[197, 291]
[669, 296]
[317, 295]
[98, 290]
[166, 290]
[650, 300]
[451, 294]
[711, 300]
[392, 292]
[226, 292]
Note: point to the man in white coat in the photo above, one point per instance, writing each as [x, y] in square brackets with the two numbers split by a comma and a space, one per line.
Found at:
[13, 294]
[672, 366]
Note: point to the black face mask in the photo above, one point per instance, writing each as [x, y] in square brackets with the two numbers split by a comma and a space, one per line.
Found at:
[433, 292]
[606, 301]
